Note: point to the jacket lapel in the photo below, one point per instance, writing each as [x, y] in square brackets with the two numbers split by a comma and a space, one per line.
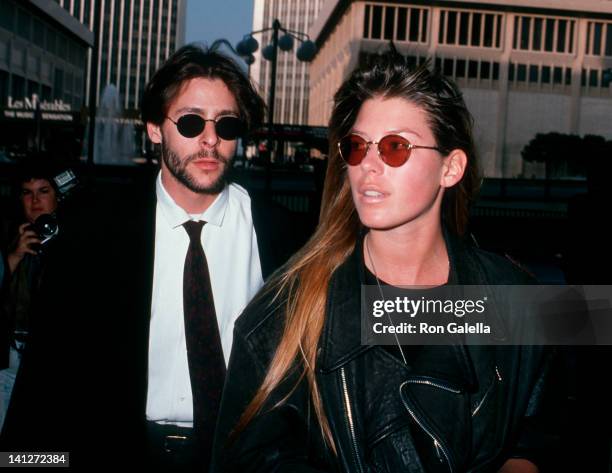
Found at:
[341, 339]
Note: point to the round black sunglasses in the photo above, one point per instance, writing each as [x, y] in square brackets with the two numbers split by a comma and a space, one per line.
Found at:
[227, 127]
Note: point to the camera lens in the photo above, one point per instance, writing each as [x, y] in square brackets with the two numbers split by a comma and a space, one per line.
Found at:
[46, 226]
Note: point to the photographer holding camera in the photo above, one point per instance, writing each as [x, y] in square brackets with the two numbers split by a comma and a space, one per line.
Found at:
[38, 197]
[25, 264]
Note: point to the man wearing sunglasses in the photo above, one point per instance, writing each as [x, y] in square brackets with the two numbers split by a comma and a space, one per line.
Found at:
[144, 299]
[213, 246]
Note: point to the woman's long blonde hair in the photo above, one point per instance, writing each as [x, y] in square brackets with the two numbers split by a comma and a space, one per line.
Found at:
[305, 279]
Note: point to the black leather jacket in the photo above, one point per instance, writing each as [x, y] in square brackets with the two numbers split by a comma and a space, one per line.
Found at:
[452, 409]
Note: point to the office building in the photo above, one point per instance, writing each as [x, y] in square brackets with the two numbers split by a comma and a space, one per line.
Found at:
[43, 67]
[525, 67]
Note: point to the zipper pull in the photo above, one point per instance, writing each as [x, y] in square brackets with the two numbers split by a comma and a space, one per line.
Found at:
[438, 452]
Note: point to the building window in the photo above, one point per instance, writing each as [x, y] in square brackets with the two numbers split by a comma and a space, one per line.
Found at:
[389, 22]
[533, 73]
[23, 23]
[39, 33]
[45, 69]
[395, 23]
[540, 74]
[553, 35]
[46, 93]
[7, 11]
[468, 69]
[594, 78]
[402, 23]
[33, 88]
[18, 88]
[4, 87]
[4, 49]
[468, 28]
[460, 68]
[58, 83]
[51, 41]
[18, 57]
[472, 69]
[376, 21]
[33, 65]
[599, 39]
[68, 82]
[79, 85]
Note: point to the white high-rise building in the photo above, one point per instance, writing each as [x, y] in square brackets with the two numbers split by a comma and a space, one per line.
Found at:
[292, 84]
[135, 38]
[524, 66]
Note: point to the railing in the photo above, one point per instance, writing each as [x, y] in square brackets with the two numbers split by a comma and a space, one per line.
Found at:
[300, 191]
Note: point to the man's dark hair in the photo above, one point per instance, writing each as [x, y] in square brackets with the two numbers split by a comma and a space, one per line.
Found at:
[193, 61]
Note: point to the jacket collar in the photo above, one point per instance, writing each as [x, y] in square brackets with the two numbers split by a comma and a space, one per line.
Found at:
[341, 339]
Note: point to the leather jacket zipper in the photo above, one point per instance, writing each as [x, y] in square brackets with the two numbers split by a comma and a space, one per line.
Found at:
[435, 384]
[441, 450]
[496, 378]
[349, 420]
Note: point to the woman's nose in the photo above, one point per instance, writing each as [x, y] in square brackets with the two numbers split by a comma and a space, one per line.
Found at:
[371, 162]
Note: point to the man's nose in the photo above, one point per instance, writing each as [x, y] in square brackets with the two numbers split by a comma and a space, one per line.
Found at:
[209, 134]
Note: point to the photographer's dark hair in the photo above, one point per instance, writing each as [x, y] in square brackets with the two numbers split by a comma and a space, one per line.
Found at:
[389, 75]
[38, 165]
[193, 61]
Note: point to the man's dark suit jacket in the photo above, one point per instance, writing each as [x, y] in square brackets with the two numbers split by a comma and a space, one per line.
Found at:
[82, 386]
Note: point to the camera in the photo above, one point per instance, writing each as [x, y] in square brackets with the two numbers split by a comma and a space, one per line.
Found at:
[46, 227]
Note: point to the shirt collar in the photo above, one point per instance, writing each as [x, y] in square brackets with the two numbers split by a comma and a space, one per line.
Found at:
[175, 216]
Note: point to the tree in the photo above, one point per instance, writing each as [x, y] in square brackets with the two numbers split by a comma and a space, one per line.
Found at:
[562, 154]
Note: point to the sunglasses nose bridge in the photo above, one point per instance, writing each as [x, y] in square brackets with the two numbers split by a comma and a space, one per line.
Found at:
[377, 144]
[209, 132]
[370, 163]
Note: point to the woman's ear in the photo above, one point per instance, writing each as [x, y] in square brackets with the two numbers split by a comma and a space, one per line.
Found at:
[154, 132]
[453, 168]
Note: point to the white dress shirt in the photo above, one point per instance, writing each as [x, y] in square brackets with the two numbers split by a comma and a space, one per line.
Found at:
[230, 245]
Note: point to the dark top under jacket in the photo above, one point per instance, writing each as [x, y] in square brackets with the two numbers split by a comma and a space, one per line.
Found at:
[454, 408]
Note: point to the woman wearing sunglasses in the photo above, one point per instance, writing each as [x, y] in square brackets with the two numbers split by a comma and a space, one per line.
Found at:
[303, 393]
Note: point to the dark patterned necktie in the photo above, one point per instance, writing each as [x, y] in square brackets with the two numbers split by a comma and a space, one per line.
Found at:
[204, 350]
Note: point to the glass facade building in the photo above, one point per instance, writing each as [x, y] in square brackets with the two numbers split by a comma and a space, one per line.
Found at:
[135, 37]
[292, 83]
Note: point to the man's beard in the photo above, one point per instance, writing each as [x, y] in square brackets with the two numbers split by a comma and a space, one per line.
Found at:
[178, 168]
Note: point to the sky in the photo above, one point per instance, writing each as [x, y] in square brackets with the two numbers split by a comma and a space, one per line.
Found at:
[208, 20]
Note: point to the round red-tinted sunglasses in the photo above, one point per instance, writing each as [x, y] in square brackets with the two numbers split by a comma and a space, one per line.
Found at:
[393, 150]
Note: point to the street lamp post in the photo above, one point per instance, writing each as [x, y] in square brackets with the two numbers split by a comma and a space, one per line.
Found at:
[93, 85]
[305, 53]
[272, 93]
